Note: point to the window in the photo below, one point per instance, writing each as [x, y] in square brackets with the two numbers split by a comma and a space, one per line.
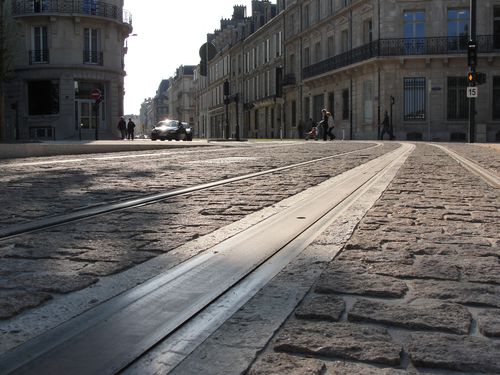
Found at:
[414, 31]
[458, 106]
[496, 98]
[89, 6]
[306, 16]
[307, 57]
[330, 46]
[345, 104]
[496, 27]
[367, 31]
[43, 97]
[317, 52]
[40, 52]
[345, 40]
[40, 6]
[91, 53]
[414, 98]
[292, 64]
[367, 101]
[458, 29]
[317, 10]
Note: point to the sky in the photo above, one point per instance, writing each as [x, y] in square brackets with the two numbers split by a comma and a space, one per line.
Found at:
[169, 33]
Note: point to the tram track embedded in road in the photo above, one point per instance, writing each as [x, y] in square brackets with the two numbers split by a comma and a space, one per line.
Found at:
[110, 337]
[105, 208]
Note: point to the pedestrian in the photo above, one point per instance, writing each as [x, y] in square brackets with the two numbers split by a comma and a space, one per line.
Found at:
[331, 126]
[386, 127]
[130, 129]
[324, 123]
[122, 126]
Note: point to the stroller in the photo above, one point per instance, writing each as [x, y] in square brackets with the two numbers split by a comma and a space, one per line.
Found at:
[313, 134]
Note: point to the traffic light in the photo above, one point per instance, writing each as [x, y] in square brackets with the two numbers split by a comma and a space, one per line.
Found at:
[472, 54]
[472, 77]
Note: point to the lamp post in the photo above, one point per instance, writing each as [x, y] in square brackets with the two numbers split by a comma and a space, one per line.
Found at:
[236, 100]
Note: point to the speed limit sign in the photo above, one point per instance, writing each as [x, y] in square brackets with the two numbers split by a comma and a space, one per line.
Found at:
[472, 92]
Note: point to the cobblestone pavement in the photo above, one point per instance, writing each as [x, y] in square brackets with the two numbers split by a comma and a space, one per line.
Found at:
[29, 190]
[37, 267]
[484, 155]
[416, 289]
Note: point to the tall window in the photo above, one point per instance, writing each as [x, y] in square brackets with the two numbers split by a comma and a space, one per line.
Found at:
[414, 31]
[330, 46]
[91, 43]
[496, 98]
[292, 64]
[317, 52]
[307, 57]
[414, 98]
[40, 6]
[458, 106]
[367, 31]
[345, 104]
[43, 97]
[496, 27]
[458, 29]
[306, 16]
[345, 40]
[40, 52]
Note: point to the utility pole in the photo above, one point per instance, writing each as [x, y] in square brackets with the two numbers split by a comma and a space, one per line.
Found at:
[472, 62]
[3, 71]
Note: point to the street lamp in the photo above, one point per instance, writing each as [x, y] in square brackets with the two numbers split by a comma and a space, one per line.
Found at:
[226, 102]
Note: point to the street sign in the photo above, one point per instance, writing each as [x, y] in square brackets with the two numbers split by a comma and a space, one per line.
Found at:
[472, 92]
[95, 94]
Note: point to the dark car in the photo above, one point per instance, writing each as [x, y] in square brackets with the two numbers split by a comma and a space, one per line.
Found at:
[172, 129]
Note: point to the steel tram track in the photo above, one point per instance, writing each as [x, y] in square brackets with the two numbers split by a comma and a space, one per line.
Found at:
[110, 337]
[86, 213]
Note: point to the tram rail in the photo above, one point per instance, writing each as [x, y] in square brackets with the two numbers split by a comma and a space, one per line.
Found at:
[105, 208]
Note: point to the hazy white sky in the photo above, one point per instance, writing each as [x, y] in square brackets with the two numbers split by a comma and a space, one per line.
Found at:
[169, 34]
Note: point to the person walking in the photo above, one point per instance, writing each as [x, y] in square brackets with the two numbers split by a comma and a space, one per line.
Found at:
[386, 127]
[324, 124]
[122, 127]
[331, 126]
[130, 129]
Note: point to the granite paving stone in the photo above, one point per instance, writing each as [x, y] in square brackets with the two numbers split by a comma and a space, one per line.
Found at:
[454, 352]
[15, 301]
[488, 322]
[338, 340]
[352, 281]
[473, 294]
[321, 307]
[426, 315]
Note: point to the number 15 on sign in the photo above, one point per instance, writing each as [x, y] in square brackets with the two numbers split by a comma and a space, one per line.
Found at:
[472, 92]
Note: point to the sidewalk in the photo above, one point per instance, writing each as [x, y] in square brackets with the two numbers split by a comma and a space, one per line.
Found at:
[52, 148]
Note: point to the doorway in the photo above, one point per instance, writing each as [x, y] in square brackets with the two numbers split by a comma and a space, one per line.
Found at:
[86, 118]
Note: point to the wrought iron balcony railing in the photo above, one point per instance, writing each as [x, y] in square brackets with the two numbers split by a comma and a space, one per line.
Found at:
[93, 57]
[403, 47]
[39, 56]
[85, 7]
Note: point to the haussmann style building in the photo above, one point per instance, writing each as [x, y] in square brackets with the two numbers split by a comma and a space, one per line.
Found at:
[273, 71]
[64, 53]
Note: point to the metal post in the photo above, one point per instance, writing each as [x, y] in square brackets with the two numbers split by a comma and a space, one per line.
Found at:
[472, 101]
[96, 108]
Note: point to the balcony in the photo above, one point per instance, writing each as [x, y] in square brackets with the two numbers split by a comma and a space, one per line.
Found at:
[403, 47]
[93, 57]
[39, 56]
[72, 7]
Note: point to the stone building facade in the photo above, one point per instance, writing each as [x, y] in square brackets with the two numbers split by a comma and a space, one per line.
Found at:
[358, 59]
[64, 51]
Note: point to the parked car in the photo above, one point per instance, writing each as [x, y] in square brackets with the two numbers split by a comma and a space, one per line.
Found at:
[172, 129]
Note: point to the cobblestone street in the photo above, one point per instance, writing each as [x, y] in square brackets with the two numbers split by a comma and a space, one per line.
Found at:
[415, 288]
